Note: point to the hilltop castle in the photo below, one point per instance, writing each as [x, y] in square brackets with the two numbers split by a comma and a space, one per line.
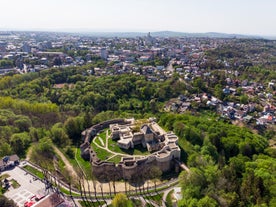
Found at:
[162, 145]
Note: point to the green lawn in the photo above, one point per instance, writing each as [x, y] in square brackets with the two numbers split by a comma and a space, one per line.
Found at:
[85, 165]
[115, 159]
[103, 134]
[94, 204]
[60, 165]
[138, 150]
[169, 199]
[4, 176]
[136, 202]
[15, 184]
[34, 171]
[72, 160]
[67, 192]
[101, 153]
[98, 141]
[156, 198]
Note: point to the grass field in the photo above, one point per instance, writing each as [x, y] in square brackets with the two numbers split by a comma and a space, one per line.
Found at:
[90, 204]
[116, 159]
[138, 150]
[169, 199]
[98, 141]
[101, 153]
[34, 171]
[15, 184]
[103, 134]
[156, 198]
[85, 165]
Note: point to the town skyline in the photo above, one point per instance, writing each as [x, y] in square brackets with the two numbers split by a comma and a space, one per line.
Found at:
[235, 17]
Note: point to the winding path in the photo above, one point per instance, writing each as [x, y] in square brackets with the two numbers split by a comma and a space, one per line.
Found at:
[112, 152]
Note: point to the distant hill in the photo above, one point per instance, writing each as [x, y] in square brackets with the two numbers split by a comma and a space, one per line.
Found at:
[115, 34]
[143, 34]
[171, 34]
[208, 34]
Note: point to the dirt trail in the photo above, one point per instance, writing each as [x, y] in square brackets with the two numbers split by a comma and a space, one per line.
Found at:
[28, 155]
[68, 165]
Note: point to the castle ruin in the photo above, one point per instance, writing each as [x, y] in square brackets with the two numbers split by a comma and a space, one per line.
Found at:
[162, 145]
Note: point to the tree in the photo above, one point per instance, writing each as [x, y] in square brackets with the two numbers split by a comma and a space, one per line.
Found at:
[20, 142]
[74, 127]
[59, 135]
[6, 63]
[114, 175]
[207, 202]
[57, 61]
[192, 183]
[121, 200]
[153, 106]
[23, 123]
[5, 149]
[37, 133]
[5, 202]
[199, 85]
[243, 99]
[44, 148]
[69, 152]
[218, 92]
[155, 174]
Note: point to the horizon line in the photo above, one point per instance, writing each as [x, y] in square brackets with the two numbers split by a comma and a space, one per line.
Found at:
[110, 31]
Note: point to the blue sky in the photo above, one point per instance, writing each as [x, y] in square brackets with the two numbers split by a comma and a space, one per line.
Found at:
[228, 16]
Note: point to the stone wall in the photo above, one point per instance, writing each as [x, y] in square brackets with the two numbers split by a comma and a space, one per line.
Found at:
[128, 166]
[89, 134]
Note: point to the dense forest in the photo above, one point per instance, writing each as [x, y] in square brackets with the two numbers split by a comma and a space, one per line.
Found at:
[230, 165]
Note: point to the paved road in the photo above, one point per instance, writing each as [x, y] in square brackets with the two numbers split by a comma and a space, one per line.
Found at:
[165, 196]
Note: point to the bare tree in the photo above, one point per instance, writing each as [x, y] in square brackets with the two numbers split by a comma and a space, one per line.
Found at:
[125, 181]
[105, 177]
[155, 174]
[80, 186]
[115, 176]
[133, 181]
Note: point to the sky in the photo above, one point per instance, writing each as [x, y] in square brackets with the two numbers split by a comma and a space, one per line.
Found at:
[255, 17]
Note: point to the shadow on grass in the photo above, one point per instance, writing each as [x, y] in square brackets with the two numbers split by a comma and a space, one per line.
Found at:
[138, 148]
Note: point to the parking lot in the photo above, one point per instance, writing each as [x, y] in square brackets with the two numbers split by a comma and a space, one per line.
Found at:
[28, 186]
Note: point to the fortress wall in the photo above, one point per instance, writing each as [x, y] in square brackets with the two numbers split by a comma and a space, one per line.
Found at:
[102, 168]
[127, 167]
[176, 153]
[85, 151]
[165, 166]
[90, 133]
[151, 158]
[129, 171]
[164, 157]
